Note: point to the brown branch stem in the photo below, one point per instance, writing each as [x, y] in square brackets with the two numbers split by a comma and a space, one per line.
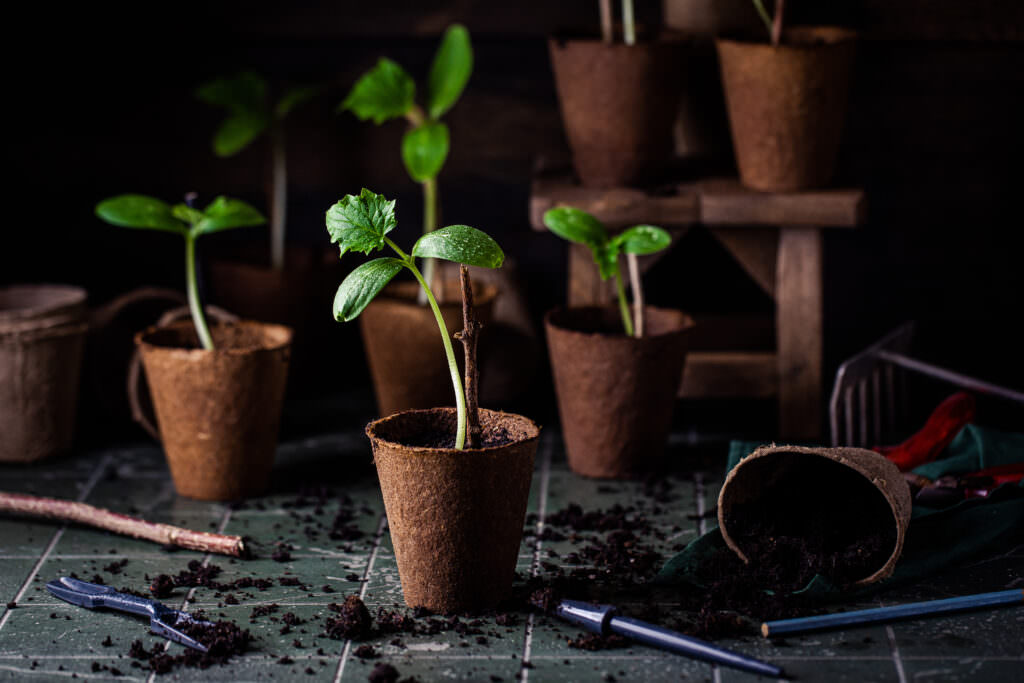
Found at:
[89, 515]
[469, 336]
[780, 9]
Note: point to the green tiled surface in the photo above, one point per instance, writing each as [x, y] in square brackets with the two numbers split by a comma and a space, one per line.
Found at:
[45, 639]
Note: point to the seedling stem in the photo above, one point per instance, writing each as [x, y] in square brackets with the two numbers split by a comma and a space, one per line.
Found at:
[192, 290]
[279, 198]
[628, 23]
[620, 289]
[633, 264]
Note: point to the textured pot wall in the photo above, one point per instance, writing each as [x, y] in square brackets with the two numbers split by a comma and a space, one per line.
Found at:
[456, 517]
[218, 411]
[615, 393]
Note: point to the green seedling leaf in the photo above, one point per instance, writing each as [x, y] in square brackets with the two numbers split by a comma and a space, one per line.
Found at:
[363, 284]
[450, 71]
[185, 213]
[224, 214]
[642, 239]
[606, 256]
[237, 131]
[385, 92]
[295, 97]
[244, 96]
[424, 150]
[140, 211]
[461, 244]
[576, 226]
[360, 223]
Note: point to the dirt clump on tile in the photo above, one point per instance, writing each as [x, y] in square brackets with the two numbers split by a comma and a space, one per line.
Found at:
[593, 642]
[352, 623]
[223, 639]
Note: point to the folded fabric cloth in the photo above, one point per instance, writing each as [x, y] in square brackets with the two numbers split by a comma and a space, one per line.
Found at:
[936, 539]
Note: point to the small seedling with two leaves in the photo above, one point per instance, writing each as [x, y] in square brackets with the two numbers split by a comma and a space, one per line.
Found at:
[148, 213]
[361, 223]
[250, 113]
[579, 226]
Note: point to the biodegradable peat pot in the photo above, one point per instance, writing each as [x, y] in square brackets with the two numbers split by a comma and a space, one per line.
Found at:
[787, 105]
[30, 308]
[618, 106]
[857, 494]
[615, 393]
[456, 517]
[407, 375]
[218, 411]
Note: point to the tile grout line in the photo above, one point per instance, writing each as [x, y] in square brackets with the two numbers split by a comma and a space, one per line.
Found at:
[192, 591]
[542, 508]
[896, 659]
[381, 526]
[698, 499]
[90, 484]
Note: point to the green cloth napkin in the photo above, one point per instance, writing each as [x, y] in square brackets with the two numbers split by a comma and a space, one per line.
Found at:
[936, 539]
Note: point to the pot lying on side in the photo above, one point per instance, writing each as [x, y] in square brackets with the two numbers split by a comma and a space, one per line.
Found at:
[857, 495]
[787, 105]
[406, 375]
[618, 106]
[456, 517]
[42, 335]
[218, 411]
[615, 393]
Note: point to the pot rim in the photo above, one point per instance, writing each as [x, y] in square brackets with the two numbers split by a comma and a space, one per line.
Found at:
[687, 323]
[837, 35]
[143, 344]
[60, 297]
[371, 428]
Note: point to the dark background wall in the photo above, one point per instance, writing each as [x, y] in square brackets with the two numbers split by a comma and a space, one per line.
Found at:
[99, 102]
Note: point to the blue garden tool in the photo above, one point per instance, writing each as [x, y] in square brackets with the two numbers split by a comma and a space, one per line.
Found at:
[604, 619]
[163, 621]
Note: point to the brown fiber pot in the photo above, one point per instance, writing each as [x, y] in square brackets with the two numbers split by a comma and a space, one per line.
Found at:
[218, 411]
[618, 106]
[615, 393]
[827, 483]
[403, 344]
[787, 105]
[456, 517]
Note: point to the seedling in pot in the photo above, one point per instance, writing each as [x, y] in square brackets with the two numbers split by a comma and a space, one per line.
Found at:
[148, 213]
[361, 223]
[773, 24]
[245, 96]
[388, 92]
[628, 22]
[581, 227]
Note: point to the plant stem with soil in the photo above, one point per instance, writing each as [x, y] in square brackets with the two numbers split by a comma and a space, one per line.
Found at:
[469, 336]
[194, 305]
[279, 196]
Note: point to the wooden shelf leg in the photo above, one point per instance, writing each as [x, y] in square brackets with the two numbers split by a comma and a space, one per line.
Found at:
[799, 331]
[585, 285]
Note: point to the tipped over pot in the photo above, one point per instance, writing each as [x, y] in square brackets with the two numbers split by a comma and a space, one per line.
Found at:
[218, 410]
[456, 516]
[787, 105]
[618, 105]
[846, 509]
[407, 375]
[615, 392]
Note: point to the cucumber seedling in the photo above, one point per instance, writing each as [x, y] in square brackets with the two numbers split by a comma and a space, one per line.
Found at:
[581, 227]
[148, 213]
[362, 223]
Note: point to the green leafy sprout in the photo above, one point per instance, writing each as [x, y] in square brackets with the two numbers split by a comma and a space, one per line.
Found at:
[361, 223]
[579, 226]
[148, 213]
[250, 113]
[388, 92]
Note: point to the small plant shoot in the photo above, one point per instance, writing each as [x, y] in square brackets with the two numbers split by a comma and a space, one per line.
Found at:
[148, 213]
[581, 227]
[250, 113]
[388, 92]
[628, 22]
[362, 223]
[773, 24]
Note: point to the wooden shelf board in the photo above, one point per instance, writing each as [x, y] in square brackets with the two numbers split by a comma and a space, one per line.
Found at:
[730, 374]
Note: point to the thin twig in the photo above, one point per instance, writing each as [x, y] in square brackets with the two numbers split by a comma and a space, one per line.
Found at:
[780, 8]
[638, 294]
[606, 21]
[468, 336]
[82, 513]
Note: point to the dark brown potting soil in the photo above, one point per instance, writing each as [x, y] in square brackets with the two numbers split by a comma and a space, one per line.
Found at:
[352, 623]
[437, 439]
[222, 638]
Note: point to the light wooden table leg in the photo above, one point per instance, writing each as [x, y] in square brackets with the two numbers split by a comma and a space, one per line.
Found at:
[799, 329]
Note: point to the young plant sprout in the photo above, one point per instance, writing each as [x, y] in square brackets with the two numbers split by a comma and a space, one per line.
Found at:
[628, 21]
[249, 114]
[361, 223]
[579, 226]
[148, 213]
[388, 92]
[773, 24]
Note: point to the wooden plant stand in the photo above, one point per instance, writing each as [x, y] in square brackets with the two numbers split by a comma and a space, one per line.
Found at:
[777, 239]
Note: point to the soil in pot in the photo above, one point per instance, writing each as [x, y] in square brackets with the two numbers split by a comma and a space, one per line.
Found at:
[615, 393]
[456, 517]
[403, 347]
[218, 411]
[618, 105]
[787, 105]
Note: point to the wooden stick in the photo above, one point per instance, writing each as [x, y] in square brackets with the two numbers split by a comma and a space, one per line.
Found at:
[638, 294]
[780, 8]
[606, 21]
[468, 336]
[82, 513]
